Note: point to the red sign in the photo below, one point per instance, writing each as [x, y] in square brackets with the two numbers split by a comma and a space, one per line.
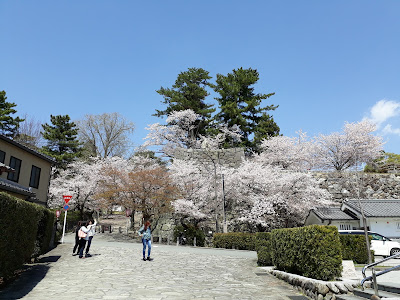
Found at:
[67, 198]
[58, 213]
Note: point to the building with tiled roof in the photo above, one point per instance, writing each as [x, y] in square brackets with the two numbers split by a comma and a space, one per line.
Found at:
[383, 216]
[24, 172]
[375, 208]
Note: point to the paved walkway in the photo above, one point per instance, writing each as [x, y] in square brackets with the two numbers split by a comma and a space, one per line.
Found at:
[116, 271]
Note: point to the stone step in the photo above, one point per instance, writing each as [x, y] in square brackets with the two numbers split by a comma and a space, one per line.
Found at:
[347, 297]
[367, 293]
[390, 287]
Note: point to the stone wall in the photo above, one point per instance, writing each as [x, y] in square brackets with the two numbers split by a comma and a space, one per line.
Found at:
[164, 229]
[347, 185]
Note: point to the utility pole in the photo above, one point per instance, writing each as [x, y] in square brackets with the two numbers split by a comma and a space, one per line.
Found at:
[364, 220]
[225, 229]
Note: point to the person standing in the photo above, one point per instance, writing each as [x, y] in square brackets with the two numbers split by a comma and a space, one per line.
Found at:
[83, 234]
[90, 234]
[145, 233]
[76, 249]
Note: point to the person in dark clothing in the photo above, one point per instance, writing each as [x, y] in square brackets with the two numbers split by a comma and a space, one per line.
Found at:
[76, 249]
[83, 239]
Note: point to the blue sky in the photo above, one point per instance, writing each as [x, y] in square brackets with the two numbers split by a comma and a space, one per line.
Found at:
[327, 61]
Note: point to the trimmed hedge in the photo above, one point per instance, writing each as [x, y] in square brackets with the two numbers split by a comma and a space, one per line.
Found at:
[263, 248]
[24, 226]
[312, 251]
[235, 240]
[354, 248]
[44, 232]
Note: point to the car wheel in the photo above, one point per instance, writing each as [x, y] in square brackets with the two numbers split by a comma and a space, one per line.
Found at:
[395, 251]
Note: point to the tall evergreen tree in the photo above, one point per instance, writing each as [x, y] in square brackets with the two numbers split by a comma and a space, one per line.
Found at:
[62, 141]
[8, 125]
[189, 92]
[240, 105]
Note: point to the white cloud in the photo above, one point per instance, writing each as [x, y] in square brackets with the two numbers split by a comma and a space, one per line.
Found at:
[389, 130]
[382, 111]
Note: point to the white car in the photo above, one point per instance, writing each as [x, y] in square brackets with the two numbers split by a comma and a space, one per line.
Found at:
[381, 245]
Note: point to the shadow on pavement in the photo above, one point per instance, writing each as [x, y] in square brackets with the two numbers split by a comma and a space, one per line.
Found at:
[25, 283]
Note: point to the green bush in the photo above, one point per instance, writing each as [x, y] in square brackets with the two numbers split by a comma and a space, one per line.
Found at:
[312, 251]
[18, 227]
[264, 256]
[22, 226]
[73, 217]
[189, 231]
[45, 230]
[264, 248]
[354, 248]
[235, 240]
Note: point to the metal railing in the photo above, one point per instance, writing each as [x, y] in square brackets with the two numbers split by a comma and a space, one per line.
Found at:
[374, 275]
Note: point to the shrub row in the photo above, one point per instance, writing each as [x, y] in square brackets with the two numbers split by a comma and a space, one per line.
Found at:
[235, 240]
[25, 232]
[312, 251]
[354, 248]
[264, 247]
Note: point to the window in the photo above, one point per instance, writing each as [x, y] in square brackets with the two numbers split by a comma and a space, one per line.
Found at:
[345, 227]
[35, 177]
[2, 156]
[15, 163]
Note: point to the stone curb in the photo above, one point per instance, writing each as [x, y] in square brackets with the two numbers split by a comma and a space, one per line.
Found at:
[316, 289]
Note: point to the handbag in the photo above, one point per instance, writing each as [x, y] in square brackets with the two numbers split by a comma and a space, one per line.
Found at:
[81, 233]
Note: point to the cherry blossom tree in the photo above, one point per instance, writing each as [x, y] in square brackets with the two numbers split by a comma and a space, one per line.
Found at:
[267, 196]
[258, 195]
[179, 133]
[356, 144]
[336, 151]
[195, 200]
[292, 153]
[80, 180]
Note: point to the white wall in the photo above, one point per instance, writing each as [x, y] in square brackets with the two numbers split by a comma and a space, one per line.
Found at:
[389, 227]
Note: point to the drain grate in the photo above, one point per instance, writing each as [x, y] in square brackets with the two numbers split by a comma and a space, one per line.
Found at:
[298, 298]
[262, 274]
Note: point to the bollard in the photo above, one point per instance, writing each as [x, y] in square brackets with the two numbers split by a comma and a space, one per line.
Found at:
[194, 241]
[177, 241]
[168, 240]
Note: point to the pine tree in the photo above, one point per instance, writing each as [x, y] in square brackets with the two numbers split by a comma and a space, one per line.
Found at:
[189, 92]
[62, 141]
[240, 105]
[8, 125]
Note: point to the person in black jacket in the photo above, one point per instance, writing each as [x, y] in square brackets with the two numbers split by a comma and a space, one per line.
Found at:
[78, 226]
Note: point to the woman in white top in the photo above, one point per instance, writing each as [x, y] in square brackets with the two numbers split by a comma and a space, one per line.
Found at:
[90, 234]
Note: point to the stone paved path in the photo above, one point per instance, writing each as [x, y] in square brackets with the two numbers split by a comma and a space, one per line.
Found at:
[116, 271]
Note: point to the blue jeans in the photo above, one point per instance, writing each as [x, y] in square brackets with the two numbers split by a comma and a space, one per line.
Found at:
[148, 244]
[88, 244]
